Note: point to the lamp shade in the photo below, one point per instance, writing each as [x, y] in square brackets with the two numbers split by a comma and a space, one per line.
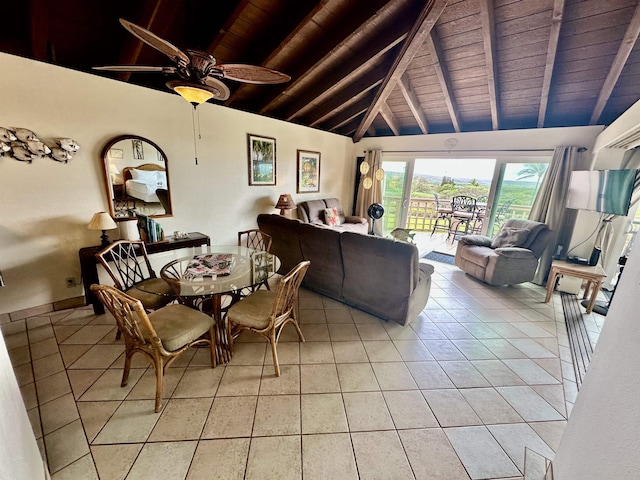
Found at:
[102, 221]
[285, 202]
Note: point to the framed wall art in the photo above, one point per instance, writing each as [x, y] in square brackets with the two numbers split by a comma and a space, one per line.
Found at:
[262, 160]
[308, 171]
[138, 151]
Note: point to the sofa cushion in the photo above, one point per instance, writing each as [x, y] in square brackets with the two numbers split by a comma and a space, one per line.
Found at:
[475, 254]
[510, 237]
[321, 246]
[479, 240]
[514, 252]
[331, 217]
[313, 210]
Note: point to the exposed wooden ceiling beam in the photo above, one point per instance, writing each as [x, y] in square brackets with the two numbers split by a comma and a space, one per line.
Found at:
[420, 30]
[348, 114]
[412, 100]
[552, 48]
[435, 50]
[390, 118]
[627, 44]
[488, 37]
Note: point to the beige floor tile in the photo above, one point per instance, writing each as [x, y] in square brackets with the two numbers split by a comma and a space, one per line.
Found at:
[479, 452]
[71, 353]
[463, 374]
[380, 455]
[163, 460]
[275, 457]
[455, 331]
[249, 354]
[400, 332]
[473, 349]
[530, 372]
[288, 383]
[490, 406]
[515, 437]
[357, 377]
[65, 446]
[381, 351]
[58, 413]
[145, 388]
[62, 332]
[529, 405]
[52, 387]
[367, 411]
[343, 332]
[409, 409]
[319, 379]
[43, 367]
[550, 432]
[288, 353]
[316, 352]
[393, 376]
[360, 317]
[315, 332]
[553, 394]
[328, 456]
[240, 380]
[502, 349]
[323, 413]
[429, 375]
[227, 458]
[497, 373]
[22, 355]
[80, 380]
[450, 408]
[29, 396]
[372, 331]
[443, 350]
[36, 424]
[95, 415]
[441, 463]
[132, 422]
[43, 348]
[339, 316]
[199, 382]
[277, 415]
[89, 335]
[230, 417]
[113, 462]
[181, 419]
[427, 330]
[531, 348]
[313, 316]
[553, 366]
[479, 330]
[107, 387]
[100, 356]
[412, 350]
[82, 468]
[349, 352]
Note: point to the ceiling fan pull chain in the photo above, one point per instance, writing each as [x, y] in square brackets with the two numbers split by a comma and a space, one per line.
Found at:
[195, 140]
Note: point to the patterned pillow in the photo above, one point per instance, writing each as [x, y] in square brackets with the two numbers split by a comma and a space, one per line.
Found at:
[510, 237]
[331, 217]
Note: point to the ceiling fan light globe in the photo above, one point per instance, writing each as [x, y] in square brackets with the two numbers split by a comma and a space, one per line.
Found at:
[197, 94]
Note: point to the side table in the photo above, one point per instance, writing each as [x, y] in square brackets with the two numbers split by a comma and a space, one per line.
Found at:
[89, 263]
[594, 275]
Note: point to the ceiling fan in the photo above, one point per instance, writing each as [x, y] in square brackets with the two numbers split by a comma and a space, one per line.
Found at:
[200, 75]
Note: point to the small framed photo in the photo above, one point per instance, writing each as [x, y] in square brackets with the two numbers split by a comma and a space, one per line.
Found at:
[116, 153]
[308, 171]
[138, 152]
[262, 160]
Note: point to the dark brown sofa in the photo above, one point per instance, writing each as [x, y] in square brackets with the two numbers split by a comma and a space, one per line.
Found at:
[380, 276]
[312, 211]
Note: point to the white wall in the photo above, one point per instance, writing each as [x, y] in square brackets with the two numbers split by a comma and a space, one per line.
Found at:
[45, 206]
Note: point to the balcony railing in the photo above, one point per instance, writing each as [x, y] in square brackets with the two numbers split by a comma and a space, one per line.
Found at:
[422, 213]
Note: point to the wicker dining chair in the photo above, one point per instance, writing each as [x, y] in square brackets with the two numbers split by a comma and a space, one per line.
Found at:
[267, 312]
[161, 335]
[257, 240]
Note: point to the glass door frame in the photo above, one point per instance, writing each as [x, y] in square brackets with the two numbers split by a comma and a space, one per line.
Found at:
[406, 190]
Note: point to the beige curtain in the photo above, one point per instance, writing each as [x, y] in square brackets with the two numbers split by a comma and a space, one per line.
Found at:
[549, 206]
[371, 195]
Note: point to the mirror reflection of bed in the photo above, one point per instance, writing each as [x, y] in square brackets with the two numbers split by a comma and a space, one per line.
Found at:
[136, 177]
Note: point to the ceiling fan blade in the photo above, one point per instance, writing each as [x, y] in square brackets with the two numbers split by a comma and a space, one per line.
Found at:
[223, 91]
[151, 39]
[252, 73]
[135, 68]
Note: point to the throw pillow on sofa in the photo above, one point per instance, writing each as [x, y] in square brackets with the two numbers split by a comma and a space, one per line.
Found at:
[510, 237]
[331, 217]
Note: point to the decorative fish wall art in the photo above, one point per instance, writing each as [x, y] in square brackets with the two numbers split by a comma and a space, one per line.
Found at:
[25, 146]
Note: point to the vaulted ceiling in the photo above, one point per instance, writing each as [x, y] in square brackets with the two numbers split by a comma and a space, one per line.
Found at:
[369, 67]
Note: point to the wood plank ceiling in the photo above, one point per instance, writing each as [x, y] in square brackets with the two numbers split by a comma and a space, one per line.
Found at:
[370, 67]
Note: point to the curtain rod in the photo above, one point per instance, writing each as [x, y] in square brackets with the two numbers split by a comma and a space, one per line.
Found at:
[580, 149]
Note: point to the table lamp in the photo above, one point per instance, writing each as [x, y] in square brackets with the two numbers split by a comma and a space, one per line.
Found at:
[102, 221]
[285, 202]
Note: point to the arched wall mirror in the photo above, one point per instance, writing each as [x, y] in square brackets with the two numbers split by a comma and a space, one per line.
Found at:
[136, 173]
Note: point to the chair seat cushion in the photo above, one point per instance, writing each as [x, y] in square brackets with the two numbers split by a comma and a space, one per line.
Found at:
[178, 325]
[151, 301]
[476, 254]
[253, 311]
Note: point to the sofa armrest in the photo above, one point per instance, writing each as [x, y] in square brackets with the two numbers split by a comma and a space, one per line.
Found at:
[514, 252]
[479, 240]
[354, 219]
[427, 268]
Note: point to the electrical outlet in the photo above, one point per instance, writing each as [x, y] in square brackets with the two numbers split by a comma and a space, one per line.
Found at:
[70, 281]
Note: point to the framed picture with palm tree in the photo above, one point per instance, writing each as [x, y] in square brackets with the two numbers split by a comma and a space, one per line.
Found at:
[262, 160]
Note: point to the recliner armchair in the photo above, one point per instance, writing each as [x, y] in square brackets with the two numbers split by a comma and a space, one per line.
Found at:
[511, 257]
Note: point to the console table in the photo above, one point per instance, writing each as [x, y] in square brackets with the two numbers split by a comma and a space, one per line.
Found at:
[89, 263]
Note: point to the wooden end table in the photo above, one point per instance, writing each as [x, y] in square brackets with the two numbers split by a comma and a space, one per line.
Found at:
[594, 275]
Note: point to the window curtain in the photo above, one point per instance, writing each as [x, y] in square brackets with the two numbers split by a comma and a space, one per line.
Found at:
[367, 196]
[549, 206]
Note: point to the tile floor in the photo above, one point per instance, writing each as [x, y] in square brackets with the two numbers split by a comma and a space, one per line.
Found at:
[459, 393]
